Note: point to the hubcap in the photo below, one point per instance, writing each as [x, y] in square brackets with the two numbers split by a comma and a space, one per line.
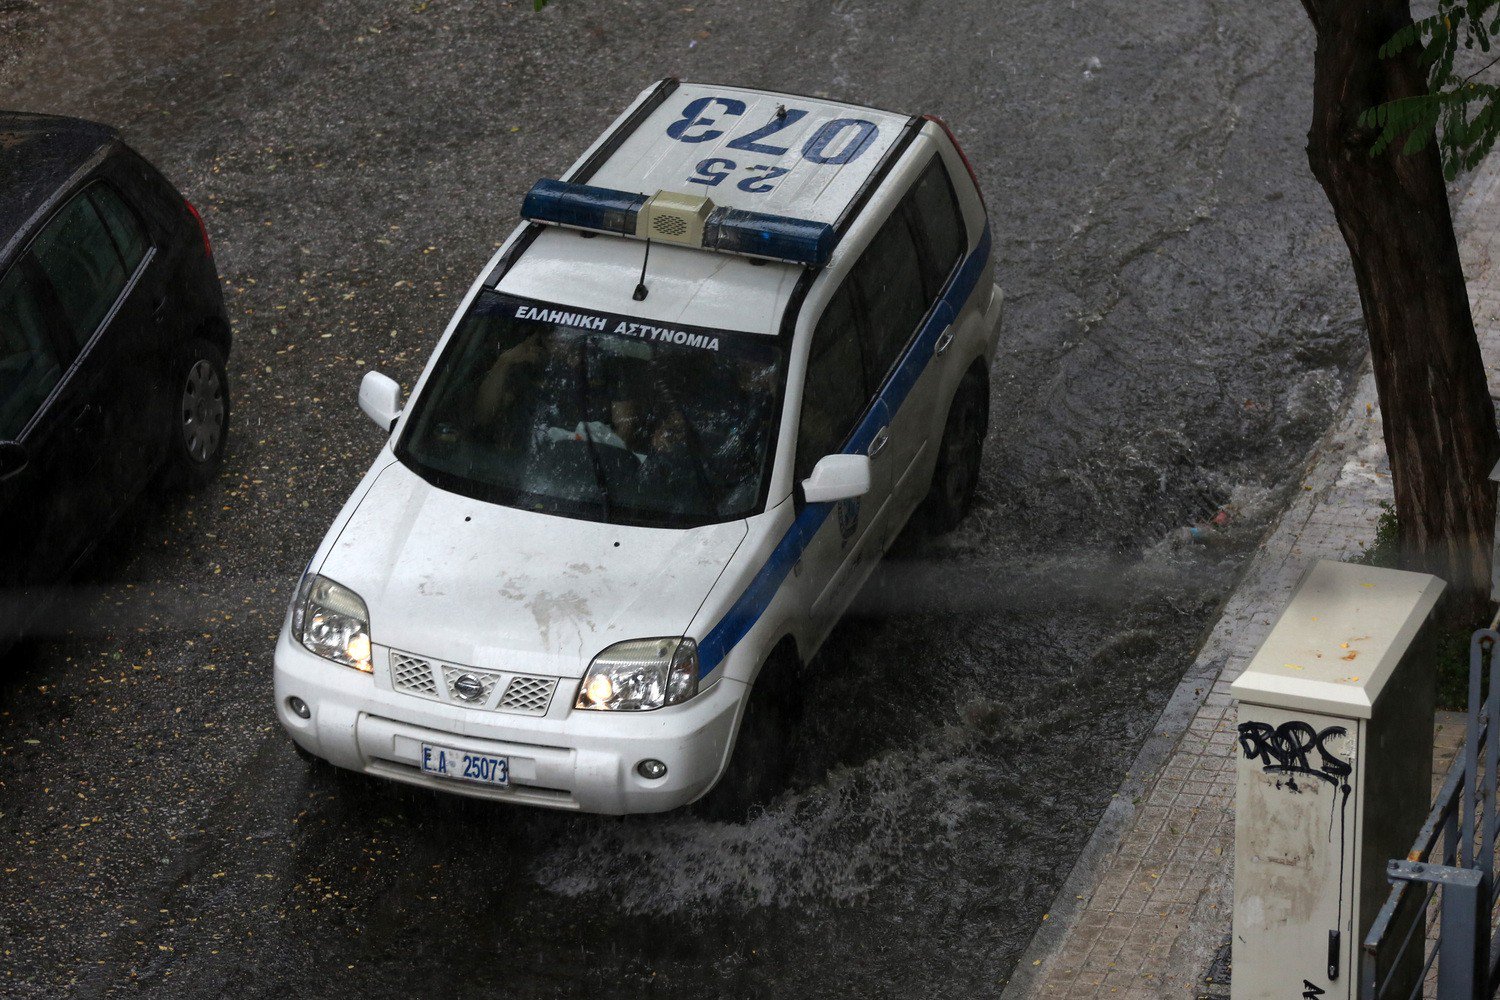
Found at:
[202, 411]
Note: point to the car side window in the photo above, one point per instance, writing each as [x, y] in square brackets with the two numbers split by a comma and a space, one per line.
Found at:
[939, 226]
[29, 364]
[79, 257]
[834, 394]
[123, 225]
[889, 278]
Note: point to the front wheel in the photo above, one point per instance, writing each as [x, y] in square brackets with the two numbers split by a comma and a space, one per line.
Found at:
[765, 747]
[957, 474]
[200, 415]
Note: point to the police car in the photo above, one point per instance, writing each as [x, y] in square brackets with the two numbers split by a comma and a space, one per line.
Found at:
[670, 431]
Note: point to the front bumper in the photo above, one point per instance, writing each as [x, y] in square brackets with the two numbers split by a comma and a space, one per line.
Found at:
[582, 760]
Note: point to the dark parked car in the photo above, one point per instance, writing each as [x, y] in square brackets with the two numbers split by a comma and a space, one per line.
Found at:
[113, 338]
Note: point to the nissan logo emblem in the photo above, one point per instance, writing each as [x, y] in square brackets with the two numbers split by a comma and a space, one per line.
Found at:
[468, 687]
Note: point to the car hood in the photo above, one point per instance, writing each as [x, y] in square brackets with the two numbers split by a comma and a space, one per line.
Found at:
[478, 584]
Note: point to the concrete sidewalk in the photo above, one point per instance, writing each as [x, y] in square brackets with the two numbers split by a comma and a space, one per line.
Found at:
[1147, 908]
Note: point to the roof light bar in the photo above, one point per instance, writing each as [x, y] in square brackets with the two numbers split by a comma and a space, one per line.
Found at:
[581, 206]
[779, 237]
[725, 230]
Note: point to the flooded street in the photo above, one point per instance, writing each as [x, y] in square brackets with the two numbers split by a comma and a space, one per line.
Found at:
[1181, 325]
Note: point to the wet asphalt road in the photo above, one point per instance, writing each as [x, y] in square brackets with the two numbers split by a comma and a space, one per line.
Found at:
[1181, 325]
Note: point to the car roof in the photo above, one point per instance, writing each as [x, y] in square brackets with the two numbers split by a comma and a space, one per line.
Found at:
[650, 159]
[688, 285]
[39, 154]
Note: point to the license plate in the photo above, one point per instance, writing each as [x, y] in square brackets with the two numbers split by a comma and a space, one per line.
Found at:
[447, 762]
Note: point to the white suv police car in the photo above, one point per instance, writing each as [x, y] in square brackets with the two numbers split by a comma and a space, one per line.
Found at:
[668, 434]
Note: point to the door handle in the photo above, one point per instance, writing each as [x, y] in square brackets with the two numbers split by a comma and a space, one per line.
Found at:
[944, 339]
[878, 443]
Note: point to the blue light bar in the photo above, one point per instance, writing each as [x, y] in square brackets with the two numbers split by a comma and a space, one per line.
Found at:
[727, 230]
[582, 207]
[779, 237]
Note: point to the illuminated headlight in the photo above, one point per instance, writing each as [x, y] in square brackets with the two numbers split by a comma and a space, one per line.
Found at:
[641, 674]
[332, 621]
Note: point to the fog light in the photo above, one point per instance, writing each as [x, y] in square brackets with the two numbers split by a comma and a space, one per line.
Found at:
[650, 768]
[300, 709]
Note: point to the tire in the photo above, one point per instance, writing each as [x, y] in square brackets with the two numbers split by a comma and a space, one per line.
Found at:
[199, 430]
[765, 748]
[954, 480]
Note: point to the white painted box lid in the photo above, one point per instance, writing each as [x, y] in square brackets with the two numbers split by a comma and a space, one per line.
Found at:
[1339, 640]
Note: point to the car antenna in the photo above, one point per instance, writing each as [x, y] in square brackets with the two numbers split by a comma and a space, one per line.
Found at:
[640, 288]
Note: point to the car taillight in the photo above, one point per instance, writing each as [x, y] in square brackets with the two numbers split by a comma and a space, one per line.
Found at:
[961, 154]
[208, 249]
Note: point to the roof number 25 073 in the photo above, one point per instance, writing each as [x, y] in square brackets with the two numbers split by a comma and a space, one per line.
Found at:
[837, 142]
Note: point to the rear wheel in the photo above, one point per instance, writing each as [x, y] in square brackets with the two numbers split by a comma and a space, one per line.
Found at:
[957, 474]
[766, 746]
[200, 415]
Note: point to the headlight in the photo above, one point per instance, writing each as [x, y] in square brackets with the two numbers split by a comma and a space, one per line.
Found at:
[641, 674]
[332, 621]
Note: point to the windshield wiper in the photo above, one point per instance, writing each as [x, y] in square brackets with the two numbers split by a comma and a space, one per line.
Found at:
[600, 479]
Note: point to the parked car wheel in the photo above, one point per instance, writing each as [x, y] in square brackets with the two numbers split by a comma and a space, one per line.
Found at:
[957, 474]
[201, 417]
[765, 748]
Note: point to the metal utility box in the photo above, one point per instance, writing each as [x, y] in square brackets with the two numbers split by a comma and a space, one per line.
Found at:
[1334, 774]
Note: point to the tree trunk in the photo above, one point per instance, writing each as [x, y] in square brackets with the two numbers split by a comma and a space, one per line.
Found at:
[1393, 210]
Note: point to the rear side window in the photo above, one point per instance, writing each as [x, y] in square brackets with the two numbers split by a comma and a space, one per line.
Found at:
[29, 365]
[124, 228]
[834, 394]
[79, 257]
[889, 278]
[940, 228]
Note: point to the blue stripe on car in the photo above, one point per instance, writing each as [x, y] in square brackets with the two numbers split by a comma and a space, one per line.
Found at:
[746, 611]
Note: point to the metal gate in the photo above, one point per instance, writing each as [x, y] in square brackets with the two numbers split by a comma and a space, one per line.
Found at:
[1434, 930]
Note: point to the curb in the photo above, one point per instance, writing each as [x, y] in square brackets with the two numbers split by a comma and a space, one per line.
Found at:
[1181, 708]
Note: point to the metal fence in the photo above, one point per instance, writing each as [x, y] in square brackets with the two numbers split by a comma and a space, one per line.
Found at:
[1434, 930]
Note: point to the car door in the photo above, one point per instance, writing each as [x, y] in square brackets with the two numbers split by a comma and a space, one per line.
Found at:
[46, 504]
[891, 292]
[137, 412]
[932, 213]
[838, 414]
[93, 262]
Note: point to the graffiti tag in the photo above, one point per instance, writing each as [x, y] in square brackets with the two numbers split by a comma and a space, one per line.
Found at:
[1290, 749]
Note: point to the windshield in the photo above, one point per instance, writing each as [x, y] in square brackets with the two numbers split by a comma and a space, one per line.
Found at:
[597, 416]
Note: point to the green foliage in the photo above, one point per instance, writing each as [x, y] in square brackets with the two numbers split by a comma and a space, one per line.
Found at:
[1385, 552]
[1450, 651]
[1460, 110]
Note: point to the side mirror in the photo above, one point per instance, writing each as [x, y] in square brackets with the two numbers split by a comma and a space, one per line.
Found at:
[13, 458]
[837, 477]
[380, 398]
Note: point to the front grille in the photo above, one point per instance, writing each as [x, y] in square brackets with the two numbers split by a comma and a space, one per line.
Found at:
[412, 674]
[528, 695]
[524, 694]
[487, 682]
